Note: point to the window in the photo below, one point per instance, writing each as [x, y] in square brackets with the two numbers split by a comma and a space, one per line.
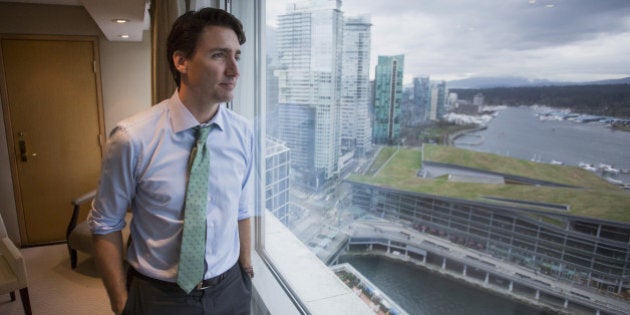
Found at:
[355, 105]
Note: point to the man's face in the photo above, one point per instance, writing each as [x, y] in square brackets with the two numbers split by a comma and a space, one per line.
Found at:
[212, 71]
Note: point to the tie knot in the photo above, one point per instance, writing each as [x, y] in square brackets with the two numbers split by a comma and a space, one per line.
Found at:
[202, 133]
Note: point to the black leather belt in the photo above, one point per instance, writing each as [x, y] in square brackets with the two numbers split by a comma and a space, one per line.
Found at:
[202, 285]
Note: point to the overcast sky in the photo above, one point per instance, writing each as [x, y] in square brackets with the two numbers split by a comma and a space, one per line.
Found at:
[559, 40]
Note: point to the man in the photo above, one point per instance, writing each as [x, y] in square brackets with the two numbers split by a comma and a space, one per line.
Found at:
[149, 167]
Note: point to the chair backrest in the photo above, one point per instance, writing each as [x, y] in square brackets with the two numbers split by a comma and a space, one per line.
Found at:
[3, 229]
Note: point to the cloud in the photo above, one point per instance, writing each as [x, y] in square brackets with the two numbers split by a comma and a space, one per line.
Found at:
[575, 40]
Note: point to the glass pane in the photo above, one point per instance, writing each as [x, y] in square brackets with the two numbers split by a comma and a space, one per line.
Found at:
[487, 141]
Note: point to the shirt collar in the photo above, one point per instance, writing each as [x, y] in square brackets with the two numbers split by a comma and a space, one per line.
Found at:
[183, 119]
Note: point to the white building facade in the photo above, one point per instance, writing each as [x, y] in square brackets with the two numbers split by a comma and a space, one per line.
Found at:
[309, 45]
[356, 126]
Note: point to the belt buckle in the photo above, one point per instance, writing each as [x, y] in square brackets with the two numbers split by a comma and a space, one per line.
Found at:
[200, 286]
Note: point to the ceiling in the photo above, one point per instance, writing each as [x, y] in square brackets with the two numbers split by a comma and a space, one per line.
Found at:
[105, 12]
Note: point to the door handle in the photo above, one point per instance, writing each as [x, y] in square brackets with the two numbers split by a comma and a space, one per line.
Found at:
[22, 145]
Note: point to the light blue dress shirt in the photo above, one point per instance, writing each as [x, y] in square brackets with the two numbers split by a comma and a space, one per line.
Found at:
[144, 168]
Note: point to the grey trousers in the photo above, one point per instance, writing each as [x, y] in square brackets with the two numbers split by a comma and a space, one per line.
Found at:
[231, 296]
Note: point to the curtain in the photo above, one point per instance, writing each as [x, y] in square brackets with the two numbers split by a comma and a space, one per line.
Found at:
[163, 14]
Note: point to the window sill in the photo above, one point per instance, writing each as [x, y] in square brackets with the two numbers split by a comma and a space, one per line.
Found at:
[316, 285]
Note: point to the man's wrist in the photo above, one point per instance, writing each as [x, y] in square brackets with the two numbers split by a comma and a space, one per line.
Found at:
[249, 270]
[247, 267]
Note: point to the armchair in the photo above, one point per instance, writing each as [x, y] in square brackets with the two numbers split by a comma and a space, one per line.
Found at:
[78, 234]
[12, 270]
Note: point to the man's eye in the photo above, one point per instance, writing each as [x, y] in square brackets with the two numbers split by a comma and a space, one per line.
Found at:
[218, 55]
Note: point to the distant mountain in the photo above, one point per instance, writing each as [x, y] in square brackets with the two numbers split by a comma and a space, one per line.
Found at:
[491, 82]
[600, 98]
[605, 82]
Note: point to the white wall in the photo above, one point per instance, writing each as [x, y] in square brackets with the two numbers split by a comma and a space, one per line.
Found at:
[125, 76]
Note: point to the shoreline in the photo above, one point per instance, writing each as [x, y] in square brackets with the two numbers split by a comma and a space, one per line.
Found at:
[461, 133]
[547, 309]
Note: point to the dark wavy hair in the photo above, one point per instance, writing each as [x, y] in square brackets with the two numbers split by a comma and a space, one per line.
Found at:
[187, 28]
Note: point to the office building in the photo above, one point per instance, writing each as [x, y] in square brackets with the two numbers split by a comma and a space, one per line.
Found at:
[387, 99]
[309, 45]
[442, 93]
[438, 101]
[356, 128]
[421, 99]
[277, 184]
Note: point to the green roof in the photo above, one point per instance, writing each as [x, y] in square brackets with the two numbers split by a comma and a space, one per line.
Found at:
[594, 198]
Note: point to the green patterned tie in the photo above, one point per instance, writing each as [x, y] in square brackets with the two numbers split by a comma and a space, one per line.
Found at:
[192, 255]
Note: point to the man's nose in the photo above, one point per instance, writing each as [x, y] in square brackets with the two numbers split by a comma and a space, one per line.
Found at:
[232, 68]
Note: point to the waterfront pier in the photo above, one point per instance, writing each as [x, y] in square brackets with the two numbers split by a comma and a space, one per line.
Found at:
[394, 240]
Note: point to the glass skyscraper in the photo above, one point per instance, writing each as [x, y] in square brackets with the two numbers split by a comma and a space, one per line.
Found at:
[277, 162]
[441, 99]
[309, 45]
[421, 99]
[356, 128]
[387, 99]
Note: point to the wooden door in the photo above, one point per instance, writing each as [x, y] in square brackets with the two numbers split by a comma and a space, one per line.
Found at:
[53, 117]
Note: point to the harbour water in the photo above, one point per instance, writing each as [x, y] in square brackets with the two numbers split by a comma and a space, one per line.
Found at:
[421, 292]
[515, 132]
[518, 133]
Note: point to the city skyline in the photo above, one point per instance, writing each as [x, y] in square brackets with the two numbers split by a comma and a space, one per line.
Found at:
[327, 109]
[556, 40]
[318, 74]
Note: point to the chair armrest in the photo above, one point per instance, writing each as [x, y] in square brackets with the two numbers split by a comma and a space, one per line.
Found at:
[15, 260]
[75, 211]
[84, 198]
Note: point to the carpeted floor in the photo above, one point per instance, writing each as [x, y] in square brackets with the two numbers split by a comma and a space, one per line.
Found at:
[55, 288]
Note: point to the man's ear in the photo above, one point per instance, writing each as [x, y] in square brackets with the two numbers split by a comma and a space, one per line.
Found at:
[180, 61]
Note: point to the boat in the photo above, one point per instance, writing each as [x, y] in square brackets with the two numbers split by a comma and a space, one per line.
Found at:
[555, 162]
[535, 158]
[607, 168]
[587, 166]
[588, 118]
[614, 181]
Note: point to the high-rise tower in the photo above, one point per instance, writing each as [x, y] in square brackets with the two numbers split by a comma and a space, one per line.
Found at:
[387, 99]
[438, 100]
[309, 81]
[277, 173]
[421, 99]
[356, 125]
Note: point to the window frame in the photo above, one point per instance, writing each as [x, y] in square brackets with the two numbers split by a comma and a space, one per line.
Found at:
[252, 67]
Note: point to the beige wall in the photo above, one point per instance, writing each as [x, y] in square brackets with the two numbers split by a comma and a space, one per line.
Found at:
[125, 76]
